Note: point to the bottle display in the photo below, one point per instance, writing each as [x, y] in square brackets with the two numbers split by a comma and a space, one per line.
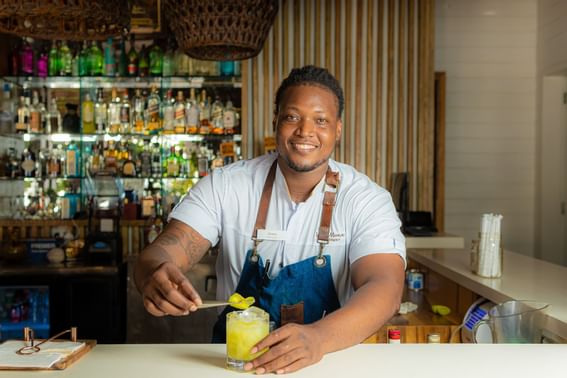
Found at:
[120, 107]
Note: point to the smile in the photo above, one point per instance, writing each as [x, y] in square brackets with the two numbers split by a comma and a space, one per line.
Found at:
[303, 147]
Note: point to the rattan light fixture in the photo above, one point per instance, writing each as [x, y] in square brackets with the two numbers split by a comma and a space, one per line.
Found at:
[221, 29]
[64, 19]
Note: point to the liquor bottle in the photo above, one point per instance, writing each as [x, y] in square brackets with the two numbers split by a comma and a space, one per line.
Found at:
[182, 63]
[65, 57]
[179, 117]
[84, 60]
[14, 171]
[192, 111]
[28, 163]
[87, 115]
[156, 60]
[26, 58]
[138, 113]
[54, 61]
[42, 64]
[100, 113]
[44, 115]
[110, 158]
[109, 59]
[168, 114]
[145, 170]
[227, 68]
[128, 166]
[202, 162]
[114, 113]
[143, 63]
[122, 60]
[96, 61]
[23, 116]
[72, 163]
[168, 63]
[7, 111]
[217, 117]
[204, 114]
[132, 58]
[148, 205]
[172, 164]
[55, 122]
[35, 114]
[125, 114]
[95, 161]
[229, 118]
[156, 160]
[54, 164]
[75, 65]
[153, 110]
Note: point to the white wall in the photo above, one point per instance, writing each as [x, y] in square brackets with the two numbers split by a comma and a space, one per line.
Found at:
[488, 50]
[552, 42]
[551, 134]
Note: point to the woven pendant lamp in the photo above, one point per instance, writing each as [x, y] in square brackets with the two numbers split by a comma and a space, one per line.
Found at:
[221, 29]
[64, 19]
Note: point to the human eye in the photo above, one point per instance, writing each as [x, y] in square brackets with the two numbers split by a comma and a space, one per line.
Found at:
[322, 121]
[290, 117]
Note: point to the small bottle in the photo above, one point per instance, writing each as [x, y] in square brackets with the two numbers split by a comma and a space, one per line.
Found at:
[66, 58]
[87, 115]
[109, 58]
[132, 58]
[168, 114]
[55, 121]
[394, 336]
[179, 114]
[84, 68]
[433, 338]
[100, 113]
[54, 60]
[153, 112]
[192, 112]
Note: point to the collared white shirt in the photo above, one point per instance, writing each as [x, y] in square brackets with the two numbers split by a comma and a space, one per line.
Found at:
[222, 207]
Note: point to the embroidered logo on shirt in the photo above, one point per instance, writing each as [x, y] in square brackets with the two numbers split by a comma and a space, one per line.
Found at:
[334, 237]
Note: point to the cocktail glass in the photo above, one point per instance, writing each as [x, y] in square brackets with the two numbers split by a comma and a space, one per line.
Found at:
[244, 329]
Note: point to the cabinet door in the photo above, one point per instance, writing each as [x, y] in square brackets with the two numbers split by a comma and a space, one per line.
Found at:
[96, 305]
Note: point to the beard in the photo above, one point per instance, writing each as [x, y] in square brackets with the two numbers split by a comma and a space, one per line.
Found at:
[303, 167]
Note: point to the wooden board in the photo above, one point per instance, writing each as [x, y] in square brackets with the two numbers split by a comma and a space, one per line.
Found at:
[65, 362]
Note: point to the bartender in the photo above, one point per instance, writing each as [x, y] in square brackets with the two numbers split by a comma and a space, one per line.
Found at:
[317, 243]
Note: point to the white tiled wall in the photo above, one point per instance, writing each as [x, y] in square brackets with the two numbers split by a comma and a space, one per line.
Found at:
[488, 50]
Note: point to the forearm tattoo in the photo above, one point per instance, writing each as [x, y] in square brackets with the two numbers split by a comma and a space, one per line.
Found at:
[179, 238]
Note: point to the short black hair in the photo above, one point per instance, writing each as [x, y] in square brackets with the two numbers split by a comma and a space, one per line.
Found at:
[311, 75]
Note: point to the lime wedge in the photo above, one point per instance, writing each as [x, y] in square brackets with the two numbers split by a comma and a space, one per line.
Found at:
[441, 310]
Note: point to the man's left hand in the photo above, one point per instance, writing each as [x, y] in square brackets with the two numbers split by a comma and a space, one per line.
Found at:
[292, 347]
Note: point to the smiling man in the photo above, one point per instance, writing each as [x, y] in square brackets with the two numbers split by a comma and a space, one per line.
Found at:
[317, 243]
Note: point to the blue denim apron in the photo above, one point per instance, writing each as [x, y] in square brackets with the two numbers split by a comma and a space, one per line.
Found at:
[307, 283]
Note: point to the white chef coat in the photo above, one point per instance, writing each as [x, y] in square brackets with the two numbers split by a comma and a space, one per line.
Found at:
[222, 207]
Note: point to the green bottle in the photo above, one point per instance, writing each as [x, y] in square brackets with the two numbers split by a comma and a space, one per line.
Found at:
[123, 60]
[84, 68]
[169, 63]
[54, 61]
[132, 58]
[156, 60]
[66, 57]
[143, 66]
[96, 60]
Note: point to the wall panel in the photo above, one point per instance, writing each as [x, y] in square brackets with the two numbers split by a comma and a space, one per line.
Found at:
[382, 53]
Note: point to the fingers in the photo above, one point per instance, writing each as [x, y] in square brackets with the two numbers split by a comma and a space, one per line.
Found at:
[168, 292]
[280, 363]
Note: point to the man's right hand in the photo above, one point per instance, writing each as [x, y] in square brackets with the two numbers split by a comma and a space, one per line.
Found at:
[168, 292]
[159, 272]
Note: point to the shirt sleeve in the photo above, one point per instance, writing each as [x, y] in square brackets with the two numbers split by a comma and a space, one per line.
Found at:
[201, 208]
[375, 226]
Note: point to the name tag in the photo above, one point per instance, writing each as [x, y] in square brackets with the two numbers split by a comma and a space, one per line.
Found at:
[271, 234]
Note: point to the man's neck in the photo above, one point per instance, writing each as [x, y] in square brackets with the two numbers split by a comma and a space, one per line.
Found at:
[301, 184]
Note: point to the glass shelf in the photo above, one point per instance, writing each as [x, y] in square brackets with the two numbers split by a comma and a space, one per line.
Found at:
[177, 138]
[180, 82]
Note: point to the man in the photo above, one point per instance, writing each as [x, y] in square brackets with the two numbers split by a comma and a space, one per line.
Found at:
[313, 240]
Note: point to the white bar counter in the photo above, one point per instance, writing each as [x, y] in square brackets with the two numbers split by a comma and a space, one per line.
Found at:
[523, 277]
[365, 360]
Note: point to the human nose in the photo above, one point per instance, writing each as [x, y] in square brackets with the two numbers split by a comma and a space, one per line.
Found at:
[306, 127]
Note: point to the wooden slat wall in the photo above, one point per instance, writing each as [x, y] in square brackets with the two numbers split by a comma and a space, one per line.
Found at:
[382, 53]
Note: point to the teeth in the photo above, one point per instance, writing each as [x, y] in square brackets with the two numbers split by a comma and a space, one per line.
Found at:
[304, 146]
